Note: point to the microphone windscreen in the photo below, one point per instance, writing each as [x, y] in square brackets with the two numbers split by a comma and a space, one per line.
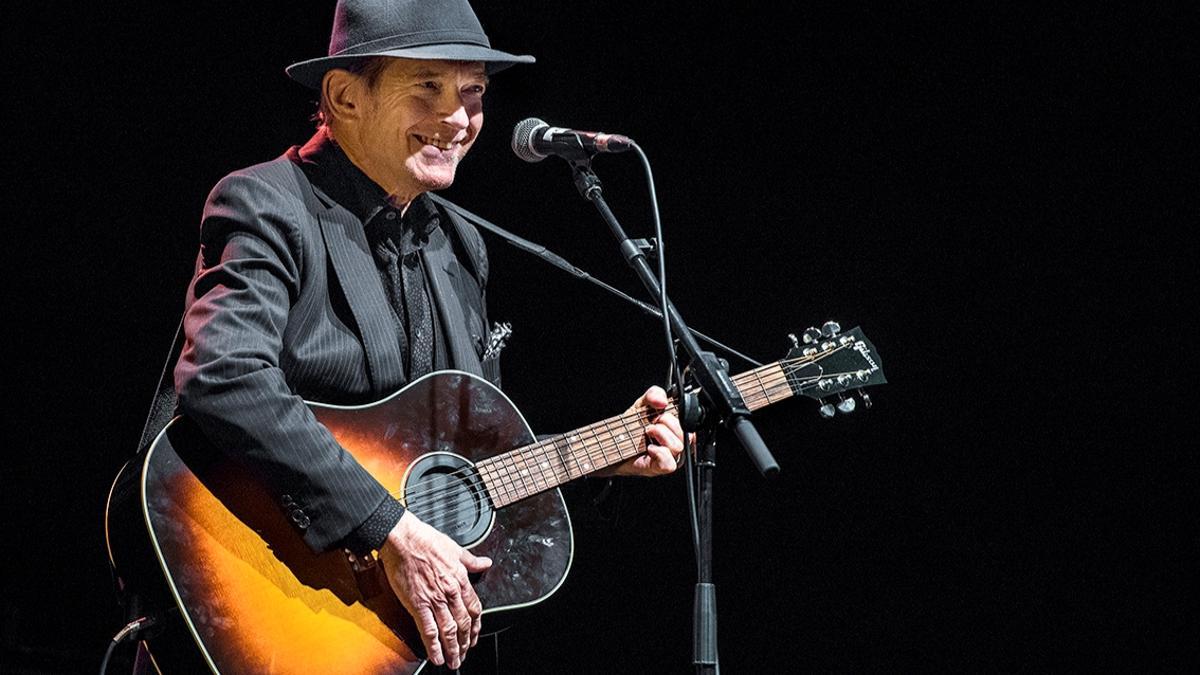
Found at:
[522, 139]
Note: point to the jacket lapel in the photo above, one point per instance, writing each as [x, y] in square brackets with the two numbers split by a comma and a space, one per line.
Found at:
[445, 281]
[359, 279]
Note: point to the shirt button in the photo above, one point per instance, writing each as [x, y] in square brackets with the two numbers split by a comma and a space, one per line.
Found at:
[391, 215]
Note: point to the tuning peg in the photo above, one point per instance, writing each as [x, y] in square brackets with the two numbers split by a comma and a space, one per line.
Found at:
[812, 336]
[826, 410]
[830, 328]
[846, 405]
[866, 398]
[795, 340]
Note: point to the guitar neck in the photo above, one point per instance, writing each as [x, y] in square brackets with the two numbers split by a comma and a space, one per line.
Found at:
[546, 464]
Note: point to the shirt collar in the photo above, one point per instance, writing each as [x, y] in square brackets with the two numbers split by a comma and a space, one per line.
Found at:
[346, 184]
[339, 178]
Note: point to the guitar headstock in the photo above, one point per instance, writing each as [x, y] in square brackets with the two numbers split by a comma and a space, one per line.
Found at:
[825, 363]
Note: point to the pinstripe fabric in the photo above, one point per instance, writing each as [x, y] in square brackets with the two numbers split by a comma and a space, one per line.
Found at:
[286, 305]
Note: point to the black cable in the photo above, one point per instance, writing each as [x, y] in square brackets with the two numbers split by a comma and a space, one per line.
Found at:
[130, 628]
[679, 383]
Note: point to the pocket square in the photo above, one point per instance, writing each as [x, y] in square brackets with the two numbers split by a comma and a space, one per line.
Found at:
[497, 339]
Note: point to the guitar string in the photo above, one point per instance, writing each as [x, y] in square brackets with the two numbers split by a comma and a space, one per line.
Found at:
[451, 509]
[520, 464]
[447, 509]
[778, 380]
[781, 380]
[623, 419]
[550, 473]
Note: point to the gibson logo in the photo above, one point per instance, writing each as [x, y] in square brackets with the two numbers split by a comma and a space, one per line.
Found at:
[861, 348]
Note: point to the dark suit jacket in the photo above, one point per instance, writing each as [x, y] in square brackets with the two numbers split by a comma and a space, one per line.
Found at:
[286, 304]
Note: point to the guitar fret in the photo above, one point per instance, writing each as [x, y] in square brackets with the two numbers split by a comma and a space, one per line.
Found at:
[555, 443]
[587, 465]
[595, 442]
[499, 486]
[758, 378]
[632, 435]
[542, 466]
[528, 479]
[520, 488]
[558, 469]
[772, 387]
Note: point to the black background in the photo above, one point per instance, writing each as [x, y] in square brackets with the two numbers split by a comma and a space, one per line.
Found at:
[990, 193]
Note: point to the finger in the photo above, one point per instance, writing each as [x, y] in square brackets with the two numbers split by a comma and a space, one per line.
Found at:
[642, 463]
[663, 461]
[462, 619]
[665, 437]
[447, 633]
[655, 397]
[671, 422]
[427, 625]
[475, 610]
[474, 563]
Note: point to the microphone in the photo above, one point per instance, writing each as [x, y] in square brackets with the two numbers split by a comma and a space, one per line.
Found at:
[533, 140]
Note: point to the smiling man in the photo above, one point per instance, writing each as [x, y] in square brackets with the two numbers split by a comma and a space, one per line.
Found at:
[329, 275]
[404, 123]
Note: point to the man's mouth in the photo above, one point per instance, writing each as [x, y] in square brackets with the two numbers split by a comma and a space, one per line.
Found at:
[439, 144]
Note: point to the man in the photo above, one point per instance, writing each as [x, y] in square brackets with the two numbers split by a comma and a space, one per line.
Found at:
[329, 275]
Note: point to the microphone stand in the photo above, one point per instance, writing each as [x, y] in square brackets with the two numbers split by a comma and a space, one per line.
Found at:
[723, 405]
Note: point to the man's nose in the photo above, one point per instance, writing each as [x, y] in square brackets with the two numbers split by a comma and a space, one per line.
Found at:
[455, 113]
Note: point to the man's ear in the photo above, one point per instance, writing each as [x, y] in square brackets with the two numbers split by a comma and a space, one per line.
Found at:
[341, 91]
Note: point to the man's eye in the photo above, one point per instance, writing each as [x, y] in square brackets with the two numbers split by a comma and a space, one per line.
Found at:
[430, 84]
[475, 90]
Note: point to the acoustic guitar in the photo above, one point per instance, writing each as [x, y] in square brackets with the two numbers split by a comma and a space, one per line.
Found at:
[188, 531]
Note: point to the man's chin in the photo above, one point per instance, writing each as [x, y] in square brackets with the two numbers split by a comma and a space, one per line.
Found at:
[439, 179]
[437, 184]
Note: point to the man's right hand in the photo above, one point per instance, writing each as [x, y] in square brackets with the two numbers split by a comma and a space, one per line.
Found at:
[428, 573]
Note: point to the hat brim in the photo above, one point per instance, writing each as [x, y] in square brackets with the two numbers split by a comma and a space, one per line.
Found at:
[310, 73]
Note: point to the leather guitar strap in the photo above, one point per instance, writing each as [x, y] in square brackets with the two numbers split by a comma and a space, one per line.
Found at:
[162, 408]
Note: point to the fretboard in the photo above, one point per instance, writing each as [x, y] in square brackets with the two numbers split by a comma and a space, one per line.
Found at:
[548, 463]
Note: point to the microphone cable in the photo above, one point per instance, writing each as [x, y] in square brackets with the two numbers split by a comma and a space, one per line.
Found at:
[675, 372]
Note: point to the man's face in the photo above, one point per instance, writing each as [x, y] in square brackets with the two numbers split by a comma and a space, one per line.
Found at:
[418, 121]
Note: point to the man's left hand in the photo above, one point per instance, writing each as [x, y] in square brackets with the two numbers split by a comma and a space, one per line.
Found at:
[664, 441]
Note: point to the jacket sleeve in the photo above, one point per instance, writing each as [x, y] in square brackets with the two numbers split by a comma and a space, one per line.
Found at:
[228, 377]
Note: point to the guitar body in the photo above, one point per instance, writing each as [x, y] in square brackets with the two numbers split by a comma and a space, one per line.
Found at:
[189, 529]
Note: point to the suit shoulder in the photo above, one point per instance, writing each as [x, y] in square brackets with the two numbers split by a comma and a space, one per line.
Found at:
[266, 201]
[279, 175]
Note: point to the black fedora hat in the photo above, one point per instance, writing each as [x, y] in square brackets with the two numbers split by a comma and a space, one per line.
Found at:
[411, 29]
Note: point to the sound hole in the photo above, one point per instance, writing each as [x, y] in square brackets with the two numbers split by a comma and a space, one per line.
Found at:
[445, 491]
